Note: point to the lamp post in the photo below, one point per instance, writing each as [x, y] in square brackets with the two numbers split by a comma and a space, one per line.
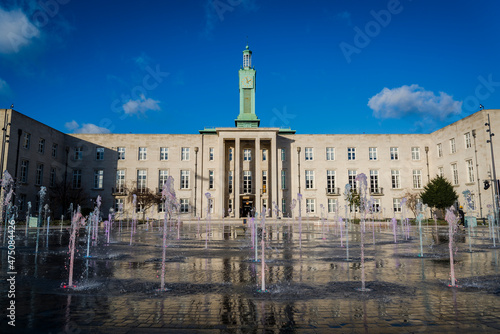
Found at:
[298, 161]
[427, 161]
[195, 177]
[477, 174]
[495, 199]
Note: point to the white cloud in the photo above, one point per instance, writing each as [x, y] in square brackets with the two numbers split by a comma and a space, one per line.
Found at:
[85, 128]
[16, 31]
[140, 105]
[413, 100]
[4, 88]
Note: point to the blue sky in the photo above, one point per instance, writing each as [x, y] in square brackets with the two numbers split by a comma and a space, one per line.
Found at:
[322, 66]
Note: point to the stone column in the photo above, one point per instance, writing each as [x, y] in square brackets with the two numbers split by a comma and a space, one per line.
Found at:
[258, 177]
[273, 178]
[236, 177]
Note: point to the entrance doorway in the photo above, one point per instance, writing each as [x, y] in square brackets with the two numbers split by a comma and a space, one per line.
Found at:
[246, 207]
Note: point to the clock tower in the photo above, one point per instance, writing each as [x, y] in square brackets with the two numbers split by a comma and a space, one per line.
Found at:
[247, 117]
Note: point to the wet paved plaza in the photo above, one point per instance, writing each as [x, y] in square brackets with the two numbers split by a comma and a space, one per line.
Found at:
[213, 283]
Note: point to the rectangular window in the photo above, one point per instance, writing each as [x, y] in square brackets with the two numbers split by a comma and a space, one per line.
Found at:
[211, 154]
[332, 205]
[330, 181]
[470, 171]
[99, 153]
[283, 154]
[440, 150]
[372, 153]
[376, 205]
[77, 178]
[39, 174]
[210, 179]
[311, 205]
[330, 153]
[351, 177]
[211, 204]
[78, 153]
[264, 154]
[26, 140]
[264, 181]
[141, 180]
[184, 205]
[264, 206]
[41, 146]
[185, 154]
[119, 205]
[143, 153]
[230, 181]
[415, 153]
[351, 153]
[231, 154]
[394, 153]
[120, 181]
[283, 179]
[98, 179]
[162, 178]
[22, 202]
[230, 205]
[24, 171]
[441, 171]
[374, 182]
[121, 153]
[247, 154]
[396, 184]
[247, 182]
[52, 177]
[396, 204]
[184, 179]
[163, 153]
[454, 171]
[467, 139]
[283, 207]
[309, 153]
[309, 179]
[417, 179]
[54, 150]
[453, 147]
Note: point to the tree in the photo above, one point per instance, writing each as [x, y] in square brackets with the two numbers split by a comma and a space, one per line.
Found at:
[63, 195]
[412, 201]
[145, 198]
[439, 193]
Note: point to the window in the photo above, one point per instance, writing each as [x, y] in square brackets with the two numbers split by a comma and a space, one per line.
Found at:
[184, 179]
[440, 150]
[310, 205]
[78, 153]
[470, 170]
[374, 181]
[264, 154]
[332, 205]
[394, 153]
[283, 179]
[184, 205]
[24, 171]
[351, 153]
[351, 177]
[99, 153]
[264, 206]
[396, 204]
[283, 154]
[54, 150]
[163, 153]
[441, 171]
[184, 153]
[309, 153]
[372, 153]
[247, 182]
[467, 139]
[283, 206]
[415, 153]
[52, 177]
[22, 202]
[120, 181]
[264, 181]
[141, 180]
[121, 153]
[98, 178]
[210, 179]
[396, 184]
[454, 172]
[41, 146]
[247, 154]
[27, 140]
[376, 205]
[119, 205]
[39, 174]
[309, 179]
[143, 153]
[211, 204]
[330, 181]
[231, 154]
[211, 154]
[330, 153]
[417, 179]
[162, 178]
[230, 181]
[453, 147]
[230, 205]
[77, 178]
